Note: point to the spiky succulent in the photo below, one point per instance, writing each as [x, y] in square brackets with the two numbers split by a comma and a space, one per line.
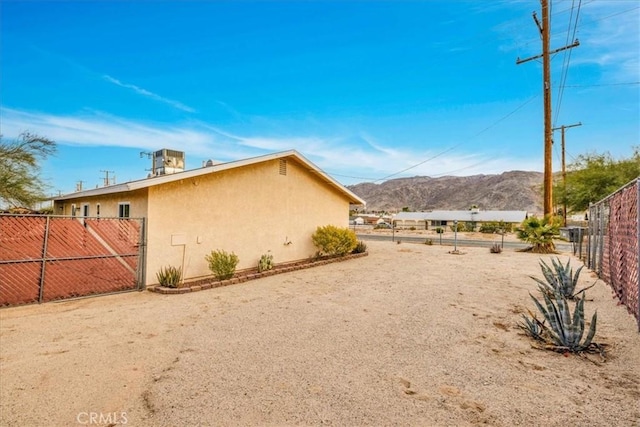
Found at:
[560, 278]
[532, 327]
[265, 263]
[565, 331]
[169, 276]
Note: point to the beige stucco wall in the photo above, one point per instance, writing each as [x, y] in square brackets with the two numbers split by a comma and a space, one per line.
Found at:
[250, 210]
[108, 204]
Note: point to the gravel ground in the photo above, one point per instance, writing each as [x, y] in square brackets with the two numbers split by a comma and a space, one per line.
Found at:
[409, 335]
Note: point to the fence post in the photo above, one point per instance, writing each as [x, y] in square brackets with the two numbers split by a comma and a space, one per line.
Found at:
[602, 233]
[45, 242]
[142, 256]
[589, 234]
[638, 249]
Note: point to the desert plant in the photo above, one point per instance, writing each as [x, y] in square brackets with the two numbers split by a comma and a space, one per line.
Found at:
[332, 240]
[428, 242]
[495, 248]
[169, 276]
[439, 230]
[564, 331]
[560, 278]
[532, 327]
[361, 247]
[265, 263]
[222, 264]
[495, 227]
[539, 233]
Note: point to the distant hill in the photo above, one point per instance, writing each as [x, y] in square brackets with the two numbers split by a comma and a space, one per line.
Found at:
[514, 190]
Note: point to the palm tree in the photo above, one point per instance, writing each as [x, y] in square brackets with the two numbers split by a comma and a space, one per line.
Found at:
[539, 232]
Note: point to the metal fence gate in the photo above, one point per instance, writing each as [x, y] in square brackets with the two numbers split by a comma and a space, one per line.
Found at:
[613, 245]
[45, 258]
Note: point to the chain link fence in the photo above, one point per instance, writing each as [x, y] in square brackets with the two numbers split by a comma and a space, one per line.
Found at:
[613, 250]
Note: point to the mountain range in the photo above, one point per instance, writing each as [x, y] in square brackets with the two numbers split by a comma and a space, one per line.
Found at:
[513, 190]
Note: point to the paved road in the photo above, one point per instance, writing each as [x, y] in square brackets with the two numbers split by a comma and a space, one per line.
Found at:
[560, 246]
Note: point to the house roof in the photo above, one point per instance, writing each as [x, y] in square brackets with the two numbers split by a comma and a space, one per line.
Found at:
[163, 179]
[479, 216]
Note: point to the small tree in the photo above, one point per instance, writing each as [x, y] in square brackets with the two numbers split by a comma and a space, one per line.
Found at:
[539, 233]
[20, 185]
[592, 177]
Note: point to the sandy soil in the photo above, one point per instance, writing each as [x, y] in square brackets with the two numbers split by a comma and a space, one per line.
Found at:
[409, 335]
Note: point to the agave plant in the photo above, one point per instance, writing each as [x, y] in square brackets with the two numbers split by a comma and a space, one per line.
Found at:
[565, 331]
[169, 276]
[560, 278]
[532, 327]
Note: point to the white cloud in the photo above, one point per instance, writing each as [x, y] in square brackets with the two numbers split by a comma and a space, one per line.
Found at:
[609, 34]
[348, 162]
[149, 94]
[103, 130]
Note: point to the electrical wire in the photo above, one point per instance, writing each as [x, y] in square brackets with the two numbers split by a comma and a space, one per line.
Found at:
[559, 103]
[606, 84]
[453, 147]
[567, 59]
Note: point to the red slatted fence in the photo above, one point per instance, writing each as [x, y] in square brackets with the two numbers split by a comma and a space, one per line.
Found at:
[46, 258]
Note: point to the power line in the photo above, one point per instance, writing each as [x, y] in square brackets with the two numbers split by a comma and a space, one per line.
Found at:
[606, 84]
[545, 30]
[567, 58]
[448, 149]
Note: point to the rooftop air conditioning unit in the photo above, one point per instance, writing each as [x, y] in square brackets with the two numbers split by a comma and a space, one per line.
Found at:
[167, 161]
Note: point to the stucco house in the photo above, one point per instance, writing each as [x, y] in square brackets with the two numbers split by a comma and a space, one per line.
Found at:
[266, 204]
[444, 218]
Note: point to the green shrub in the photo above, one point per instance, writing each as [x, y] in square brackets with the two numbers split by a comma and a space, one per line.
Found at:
[496, 227]
[467, 226]
[495, 248]
[332, 240]
[265, 263]
[412, 228]
[428, 242]
[222, 264]
[361, 247]
[439, 230]
[169, 276]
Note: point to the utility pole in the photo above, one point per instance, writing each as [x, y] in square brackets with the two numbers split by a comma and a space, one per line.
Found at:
[79, 185]
[545, 29]
[106, 177]
[564, 172]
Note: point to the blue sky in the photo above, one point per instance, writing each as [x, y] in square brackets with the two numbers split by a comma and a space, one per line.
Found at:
[367, 90]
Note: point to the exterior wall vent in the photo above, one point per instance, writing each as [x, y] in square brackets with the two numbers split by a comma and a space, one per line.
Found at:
[283, 167]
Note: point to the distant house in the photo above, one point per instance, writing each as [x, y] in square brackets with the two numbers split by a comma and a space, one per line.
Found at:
[417, 220]
[442, 218]
[267, 204]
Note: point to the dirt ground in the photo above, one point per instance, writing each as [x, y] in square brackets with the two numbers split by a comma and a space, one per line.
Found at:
[409, 335]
